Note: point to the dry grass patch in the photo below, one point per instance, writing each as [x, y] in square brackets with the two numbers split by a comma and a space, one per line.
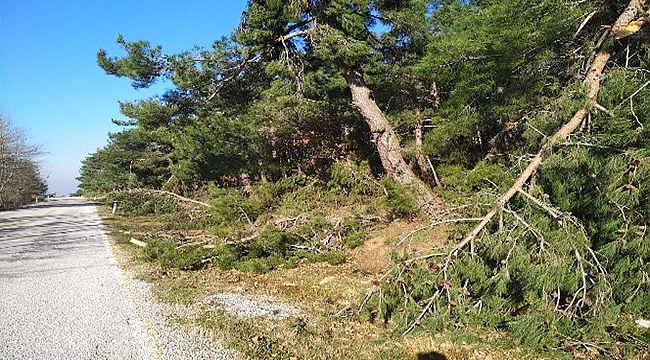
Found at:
[373, 256]
[445, 346]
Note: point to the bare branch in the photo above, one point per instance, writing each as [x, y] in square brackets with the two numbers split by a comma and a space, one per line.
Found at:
[584, 22]
[293, 35]
[633, 94]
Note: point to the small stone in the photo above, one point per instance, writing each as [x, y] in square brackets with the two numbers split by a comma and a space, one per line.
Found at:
[643, 323]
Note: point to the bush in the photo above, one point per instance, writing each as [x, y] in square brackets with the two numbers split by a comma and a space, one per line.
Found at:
[168, 255]
[335, 257]
[142, 202]
[354, 232]
[355, 239]
[226, 205]
[400, 202]
[353, 180]
[467, 181]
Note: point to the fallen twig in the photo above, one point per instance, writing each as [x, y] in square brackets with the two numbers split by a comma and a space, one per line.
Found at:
[180, 197]
[416, 322]
[551, 211]
[449, 221]
[137, 242]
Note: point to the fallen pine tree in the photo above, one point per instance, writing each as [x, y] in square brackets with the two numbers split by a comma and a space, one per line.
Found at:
[567, 264]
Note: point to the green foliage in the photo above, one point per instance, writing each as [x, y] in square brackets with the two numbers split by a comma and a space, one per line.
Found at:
[538, 329]
[399, 199]
[212, 148]
[229, 205]
[269, 250]
[134, 158]
[169, 255]
[142, 203]
[266, 120]
[273, 239]
[549, 281]
[539, 296]
[353, 180]
[266, 197]
[335, 257]
[494, 63]
[302, 134]
[355, 239]
[546, 123]
[143, 66]
[483, 175]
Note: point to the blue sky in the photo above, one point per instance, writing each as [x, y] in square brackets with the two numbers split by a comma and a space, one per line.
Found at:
[50, 84]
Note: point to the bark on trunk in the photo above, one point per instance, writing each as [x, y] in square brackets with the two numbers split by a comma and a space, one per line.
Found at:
[390, 151]
[386, 141]
[632, 12]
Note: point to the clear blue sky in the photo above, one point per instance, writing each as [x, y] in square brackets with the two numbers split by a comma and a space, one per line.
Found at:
[50, 84]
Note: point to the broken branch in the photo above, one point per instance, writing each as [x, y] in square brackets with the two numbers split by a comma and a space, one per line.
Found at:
[592, 82]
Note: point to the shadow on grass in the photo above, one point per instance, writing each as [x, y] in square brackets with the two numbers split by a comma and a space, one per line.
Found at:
[433, 355]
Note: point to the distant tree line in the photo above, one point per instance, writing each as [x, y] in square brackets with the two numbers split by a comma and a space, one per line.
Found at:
[20, 178]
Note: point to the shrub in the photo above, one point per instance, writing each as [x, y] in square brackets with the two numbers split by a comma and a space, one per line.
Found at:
[142, 202]
[400, 202]
[353, 180]
[168, 255]
[335, 257]
[226, 205]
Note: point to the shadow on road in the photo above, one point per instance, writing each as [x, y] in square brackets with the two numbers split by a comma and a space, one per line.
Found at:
[58, 203]
[46, 231]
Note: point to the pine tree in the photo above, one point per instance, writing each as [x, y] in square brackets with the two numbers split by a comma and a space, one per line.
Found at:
[339, 37]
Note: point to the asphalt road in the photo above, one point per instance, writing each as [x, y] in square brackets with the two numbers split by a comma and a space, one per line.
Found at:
[62, 295]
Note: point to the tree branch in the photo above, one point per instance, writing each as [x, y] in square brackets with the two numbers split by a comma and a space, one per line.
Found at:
[592, 82]
[631, 12]
[299, 24]
[293, 35]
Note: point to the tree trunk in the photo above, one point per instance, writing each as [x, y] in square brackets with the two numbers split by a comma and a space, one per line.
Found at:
[426, 169]
[633, 10]
[386, 141]
[390, 151]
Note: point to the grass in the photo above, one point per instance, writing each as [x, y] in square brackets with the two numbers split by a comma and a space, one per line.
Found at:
[299, 339]
[321, 290]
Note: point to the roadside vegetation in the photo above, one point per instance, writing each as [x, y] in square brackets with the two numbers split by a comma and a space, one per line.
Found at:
[21, 182]
[460, 179]
[187, 260]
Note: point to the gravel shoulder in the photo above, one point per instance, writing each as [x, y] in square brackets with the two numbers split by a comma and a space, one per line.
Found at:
[63, 296]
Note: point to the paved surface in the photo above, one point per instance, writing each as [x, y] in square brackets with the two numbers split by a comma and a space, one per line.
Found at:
[62, 295]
